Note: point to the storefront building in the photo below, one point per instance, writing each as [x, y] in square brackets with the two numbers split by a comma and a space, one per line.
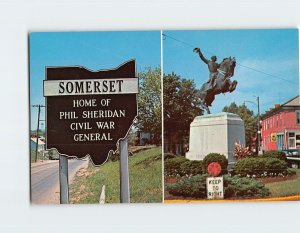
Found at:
[280, 127]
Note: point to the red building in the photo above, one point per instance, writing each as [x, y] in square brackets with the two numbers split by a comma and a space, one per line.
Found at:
[281, 126]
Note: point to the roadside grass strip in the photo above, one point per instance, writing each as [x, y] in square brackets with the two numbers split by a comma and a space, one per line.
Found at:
[285, 188]
[145, 180]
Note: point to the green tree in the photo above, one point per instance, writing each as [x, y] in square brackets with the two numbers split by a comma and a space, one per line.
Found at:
[132, 138]
[248, 117]
[149, 103]
[181, 106]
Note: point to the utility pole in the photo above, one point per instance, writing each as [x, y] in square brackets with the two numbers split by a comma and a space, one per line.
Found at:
[258, 127]
[39, 106]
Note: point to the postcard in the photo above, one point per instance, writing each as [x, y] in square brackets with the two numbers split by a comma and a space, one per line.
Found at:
[171, 116]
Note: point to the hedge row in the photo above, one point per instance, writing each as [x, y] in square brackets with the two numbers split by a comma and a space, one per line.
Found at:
[274, 154]
[179, 165]
[270, 164]
[182, 167]
[260, 166]
[234, 187]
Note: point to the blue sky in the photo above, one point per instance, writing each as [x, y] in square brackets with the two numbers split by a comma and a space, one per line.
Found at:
[94, 50]
[271, 51]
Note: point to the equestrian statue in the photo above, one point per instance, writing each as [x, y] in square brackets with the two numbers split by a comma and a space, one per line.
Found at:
[219, 79]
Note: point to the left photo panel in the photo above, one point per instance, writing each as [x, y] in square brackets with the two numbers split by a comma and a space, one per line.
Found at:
[95, 117]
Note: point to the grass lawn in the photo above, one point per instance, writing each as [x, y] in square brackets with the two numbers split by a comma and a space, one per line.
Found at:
[285, 188]
[145, 180]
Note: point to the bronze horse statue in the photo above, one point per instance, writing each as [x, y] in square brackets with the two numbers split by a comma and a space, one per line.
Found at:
[221, 84]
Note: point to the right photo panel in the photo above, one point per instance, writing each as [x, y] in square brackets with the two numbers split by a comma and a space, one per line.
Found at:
[231, 111]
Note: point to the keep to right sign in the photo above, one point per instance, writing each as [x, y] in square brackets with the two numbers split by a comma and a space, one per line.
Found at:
[215, 187]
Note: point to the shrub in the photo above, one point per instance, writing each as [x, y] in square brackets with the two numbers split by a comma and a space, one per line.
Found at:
[234, 187]
[189, 187]
[191, 168]
[291, 172]
[114, 156]
[237, 187]
[274, 154]
[182, 167]
[172, 166]
[169, 156]
[260, 166]
[241, 151]
[215, 157]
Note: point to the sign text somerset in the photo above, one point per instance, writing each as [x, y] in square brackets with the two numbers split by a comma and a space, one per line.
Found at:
[88, 112]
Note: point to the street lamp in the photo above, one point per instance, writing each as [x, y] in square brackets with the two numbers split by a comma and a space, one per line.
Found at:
[258, 147]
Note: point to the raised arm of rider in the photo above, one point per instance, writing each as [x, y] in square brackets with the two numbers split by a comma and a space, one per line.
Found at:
[202, 57]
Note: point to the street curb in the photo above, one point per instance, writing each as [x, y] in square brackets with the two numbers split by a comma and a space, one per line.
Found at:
[289, 198]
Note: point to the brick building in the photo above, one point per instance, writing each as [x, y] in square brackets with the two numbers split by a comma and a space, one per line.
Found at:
[281, 126]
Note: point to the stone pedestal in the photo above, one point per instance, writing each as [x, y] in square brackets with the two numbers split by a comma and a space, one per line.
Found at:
[215, 133]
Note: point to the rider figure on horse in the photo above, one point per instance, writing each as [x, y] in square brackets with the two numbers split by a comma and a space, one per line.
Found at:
[213, 67]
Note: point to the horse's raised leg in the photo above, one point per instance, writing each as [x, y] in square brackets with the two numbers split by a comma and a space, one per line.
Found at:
[207, 110]
[232, 86]
[204, 106]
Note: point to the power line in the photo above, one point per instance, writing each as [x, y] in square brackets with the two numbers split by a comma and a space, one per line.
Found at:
[190, 45]
[183, 42]
[250, 68]
[262, 72]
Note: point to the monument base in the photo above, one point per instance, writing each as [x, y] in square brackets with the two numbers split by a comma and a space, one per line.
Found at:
[215, 133]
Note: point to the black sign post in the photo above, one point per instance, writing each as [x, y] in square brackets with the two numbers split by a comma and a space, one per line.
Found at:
[90, 112]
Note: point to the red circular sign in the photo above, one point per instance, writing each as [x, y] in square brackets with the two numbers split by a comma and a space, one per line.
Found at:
[214, 169]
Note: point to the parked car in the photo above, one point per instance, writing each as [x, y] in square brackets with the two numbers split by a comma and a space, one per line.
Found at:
[292, 157]
[292, 153]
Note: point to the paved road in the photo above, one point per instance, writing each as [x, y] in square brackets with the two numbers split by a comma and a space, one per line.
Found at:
[45, 180]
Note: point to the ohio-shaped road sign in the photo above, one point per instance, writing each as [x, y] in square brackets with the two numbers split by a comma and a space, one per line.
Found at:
[88, 112]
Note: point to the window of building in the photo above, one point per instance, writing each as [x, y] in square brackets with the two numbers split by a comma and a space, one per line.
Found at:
[265, 125]
[298, 117]
[291, 134]
[298, 140]
[292, 140]
[292, 143]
